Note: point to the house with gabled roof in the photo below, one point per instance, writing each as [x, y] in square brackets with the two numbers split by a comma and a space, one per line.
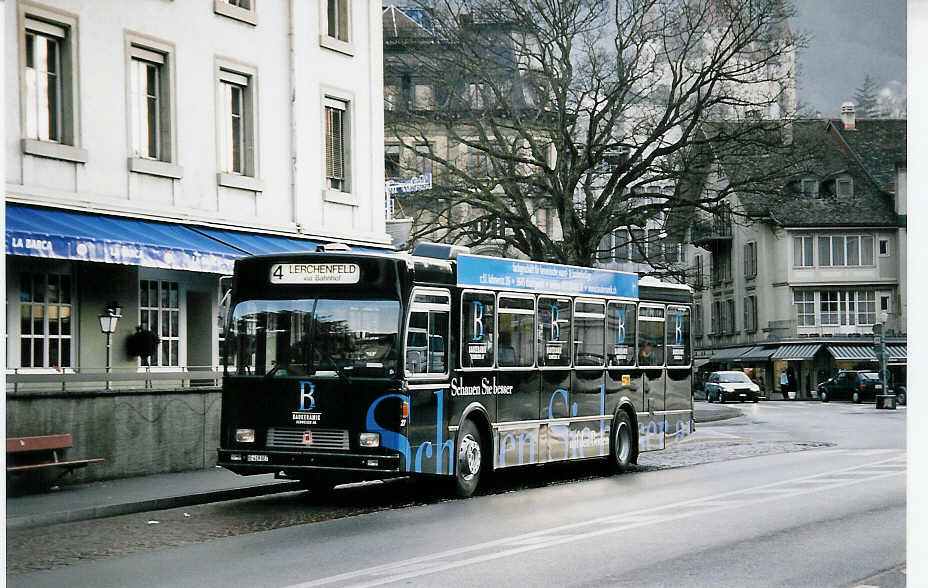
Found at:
[795, 276]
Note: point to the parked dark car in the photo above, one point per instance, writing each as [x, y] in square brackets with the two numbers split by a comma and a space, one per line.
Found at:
[855, 385]
[731, 385]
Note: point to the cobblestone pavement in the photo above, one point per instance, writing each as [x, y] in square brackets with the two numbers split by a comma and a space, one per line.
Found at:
[64, 544]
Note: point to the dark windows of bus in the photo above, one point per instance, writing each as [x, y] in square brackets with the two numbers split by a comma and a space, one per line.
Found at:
[678, 335]
[553, 331]
[302, 337]
[516, 331]
[478, 323]
[621, 331]
[650, 336]
[589, 320]
[427, 335]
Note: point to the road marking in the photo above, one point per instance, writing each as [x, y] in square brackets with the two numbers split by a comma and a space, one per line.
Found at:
[583, 530]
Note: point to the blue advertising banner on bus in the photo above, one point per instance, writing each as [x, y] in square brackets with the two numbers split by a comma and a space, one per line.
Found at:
[532, 276]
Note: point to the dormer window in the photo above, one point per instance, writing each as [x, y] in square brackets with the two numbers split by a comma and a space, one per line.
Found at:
[809, 188]
[844, 188]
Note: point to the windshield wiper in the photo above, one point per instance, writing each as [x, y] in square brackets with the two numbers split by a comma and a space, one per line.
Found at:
[340, 371]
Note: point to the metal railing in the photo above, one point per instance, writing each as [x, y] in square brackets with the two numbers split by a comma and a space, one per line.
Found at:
[84, 378]
[791, 329]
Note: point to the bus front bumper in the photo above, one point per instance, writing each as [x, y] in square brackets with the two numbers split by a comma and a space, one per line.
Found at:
[258, 461]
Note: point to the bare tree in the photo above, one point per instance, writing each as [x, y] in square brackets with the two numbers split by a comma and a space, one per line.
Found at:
[547, 120]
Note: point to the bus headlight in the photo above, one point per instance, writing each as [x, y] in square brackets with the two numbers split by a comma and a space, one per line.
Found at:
[244, 435]
[369, 439]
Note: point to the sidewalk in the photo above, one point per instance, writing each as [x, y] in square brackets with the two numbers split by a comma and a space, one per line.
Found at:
[139, 494]
[156, 492]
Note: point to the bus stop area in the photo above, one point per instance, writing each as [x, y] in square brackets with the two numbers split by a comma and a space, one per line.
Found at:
[78, 502]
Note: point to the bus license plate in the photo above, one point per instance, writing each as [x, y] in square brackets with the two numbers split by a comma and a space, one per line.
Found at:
[256, 457]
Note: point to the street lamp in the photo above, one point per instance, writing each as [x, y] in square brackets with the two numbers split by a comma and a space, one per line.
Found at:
[108, 320]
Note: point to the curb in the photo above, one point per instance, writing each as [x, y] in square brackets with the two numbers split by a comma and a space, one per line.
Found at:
[111, 510]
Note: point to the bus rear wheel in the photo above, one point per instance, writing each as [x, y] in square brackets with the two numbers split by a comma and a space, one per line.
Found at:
[622, 445]
[468, 465]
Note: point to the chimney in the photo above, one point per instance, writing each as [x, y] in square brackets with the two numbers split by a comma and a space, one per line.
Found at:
[847, 116]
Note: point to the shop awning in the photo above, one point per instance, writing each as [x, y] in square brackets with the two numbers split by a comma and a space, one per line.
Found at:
[729, 354]
[796, 352]
[61, 234]
[755, 354]
[898, 353]
[852, 352]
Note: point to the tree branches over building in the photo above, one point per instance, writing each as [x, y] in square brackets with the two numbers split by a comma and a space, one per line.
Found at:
[549, 122]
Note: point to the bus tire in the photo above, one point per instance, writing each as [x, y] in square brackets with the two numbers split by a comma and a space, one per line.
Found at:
[468, 460]
[622, 450]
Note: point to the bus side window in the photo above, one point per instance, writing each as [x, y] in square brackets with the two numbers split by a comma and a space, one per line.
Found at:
[621, 332]
[478, 323]
[516, 331]
[438, 335]
[417, 343]
[678, 335]
[554, 331]
[650, 335]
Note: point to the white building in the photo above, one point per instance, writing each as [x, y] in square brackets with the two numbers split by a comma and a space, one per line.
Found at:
[151, 143]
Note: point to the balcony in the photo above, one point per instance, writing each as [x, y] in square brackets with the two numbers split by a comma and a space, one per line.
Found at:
[712, 235]
[791, 329]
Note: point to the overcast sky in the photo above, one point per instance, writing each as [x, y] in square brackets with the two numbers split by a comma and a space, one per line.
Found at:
[849, 39]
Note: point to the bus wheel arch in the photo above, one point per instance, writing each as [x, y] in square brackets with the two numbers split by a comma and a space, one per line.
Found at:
[474, 439]
[623, 439]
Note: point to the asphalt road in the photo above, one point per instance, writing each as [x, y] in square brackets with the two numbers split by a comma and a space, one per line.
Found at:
[828, 512]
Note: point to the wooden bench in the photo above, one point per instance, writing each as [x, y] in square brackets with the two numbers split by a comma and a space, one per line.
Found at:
[44, 451]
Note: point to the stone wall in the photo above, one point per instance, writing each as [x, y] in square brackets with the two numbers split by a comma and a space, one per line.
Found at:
[137, 432]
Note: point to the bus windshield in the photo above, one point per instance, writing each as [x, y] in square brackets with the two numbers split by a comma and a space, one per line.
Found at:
[280, 338]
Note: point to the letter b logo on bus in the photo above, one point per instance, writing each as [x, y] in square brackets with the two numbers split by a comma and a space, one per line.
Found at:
[478, 321]
[678, 329]
[306, 395]
[555, 328]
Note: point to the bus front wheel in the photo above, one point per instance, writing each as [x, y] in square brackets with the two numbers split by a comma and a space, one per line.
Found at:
[468, 464]
[622, 447]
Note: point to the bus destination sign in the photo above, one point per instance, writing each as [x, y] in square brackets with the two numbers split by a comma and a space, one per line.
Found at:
[315, 273]
[514, 274]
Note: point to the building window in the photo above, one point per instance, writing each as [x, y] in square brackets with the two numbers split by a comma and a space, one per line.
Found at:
[391, 162]
[159, 312]
[337, 12]
[49, 92]
[150, 120]
[423, 97]
[620, 240]
[655, 246]
[238, 148]
[884, 247]
[866, 307]
[845, 188]
[423, 163]
[698, 273]
[715, 318]
[750, 260]
[809, 188]
[729, 316]
[802, 252]
[750, 314]
[847, 304]
[805, 308]
[476, 96]
[336, 148]
[721, 267]
[242, 10]
[391, 97]
[478, 164]
[697, 320]
[828, 306]
[44, 43]
[45, 320]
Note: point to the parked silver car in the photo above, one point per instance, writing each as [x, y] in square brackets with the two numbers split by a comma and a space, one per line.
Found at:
[732, 385]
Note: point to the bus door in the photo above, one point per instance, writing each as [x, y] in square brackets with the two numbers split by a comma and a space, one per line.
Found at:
[517, 429]
[590, 435]
[623, 380]
[427, 372]
[678, 396]
[552, 352]
[651, 351]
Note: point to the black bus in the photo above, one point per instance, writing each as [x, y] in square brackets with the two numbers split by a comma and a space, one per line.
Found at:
[343, 366]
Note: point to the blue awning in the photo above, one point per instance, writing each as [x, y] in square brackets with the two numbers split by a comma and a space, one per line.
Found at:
[60, 234]
[258, 244]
